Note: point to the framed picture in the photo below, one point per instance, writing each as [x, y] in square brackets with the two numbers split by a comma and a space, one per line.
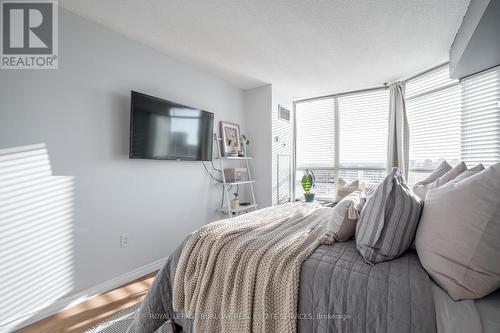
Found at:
[230, 134]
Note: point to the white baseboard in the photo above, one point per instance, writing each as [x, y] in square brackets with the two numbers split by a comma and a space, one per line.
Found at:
[79, 297]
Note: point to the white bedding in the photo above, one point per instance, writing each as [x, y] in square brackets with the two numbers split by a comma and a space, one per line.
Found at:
[466, 316]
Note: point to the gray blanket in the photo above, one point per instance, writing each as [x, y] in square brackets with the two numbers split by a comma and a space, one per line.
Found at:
[339, 292]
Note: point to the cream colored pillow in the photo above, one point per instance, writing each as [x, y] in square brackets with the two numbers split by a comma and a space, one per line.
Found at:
[343, 191]
[422, 189]
[345, 214]
[458, 238]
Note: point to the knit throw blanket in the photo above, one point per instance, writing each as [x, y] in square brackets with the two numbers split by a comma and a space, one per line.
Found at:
[242, 274]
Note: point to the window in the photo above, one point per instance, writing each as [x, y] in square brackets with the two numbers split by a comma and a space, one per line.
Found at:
[452, 120]
[363, 124]
[481, 118]
[349, 119]
[315, 143]
[433, 108]
[346, 135]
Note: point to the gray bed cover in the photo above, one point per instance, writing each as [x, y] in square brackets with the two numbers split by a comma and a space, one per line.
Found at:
[339, 292]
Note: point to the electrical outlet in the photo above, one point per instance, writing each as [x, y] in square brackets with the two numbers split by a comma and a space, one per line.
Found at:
[124, 241]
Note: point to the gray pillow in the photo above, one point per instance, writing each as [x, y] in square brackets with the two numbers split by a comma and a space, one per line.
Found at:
[423, 189]
[443, 168]
[467, 173]
[388, 220]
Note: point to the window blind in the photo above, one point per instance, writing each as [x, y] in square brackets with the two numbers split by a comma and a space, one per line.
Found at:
[453, 121]
[363, 131]
[315, 133]
[315, 144]
[480, 134]
[433, 107]
[427, 82]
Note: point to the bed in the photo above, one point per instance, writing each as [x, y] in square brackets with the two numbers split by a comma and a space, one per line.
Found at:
[339, 292]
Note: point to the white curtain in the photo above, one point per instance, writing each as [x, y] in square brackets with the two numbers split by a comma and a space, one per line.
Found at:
[399, 133]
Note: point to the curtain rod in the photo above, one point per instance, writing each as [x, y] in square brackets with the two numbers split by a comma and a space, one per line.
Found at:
[385, 86]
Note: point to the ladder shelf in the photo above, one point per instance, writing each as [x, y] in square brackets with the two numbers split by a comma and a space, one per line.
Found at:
[226, 205]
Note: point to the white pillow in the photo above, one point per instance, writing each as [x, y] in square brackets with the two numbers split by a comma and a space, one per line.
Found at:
[345, 214]
[458, 238]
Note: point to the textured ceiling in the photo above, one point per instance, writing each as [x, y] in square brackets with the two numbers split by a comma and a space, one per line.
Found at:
[304, 47]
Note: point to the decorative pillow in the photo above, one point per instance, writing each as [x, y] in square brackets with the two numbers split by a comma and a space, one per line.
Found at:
[467, 173]
[421, 190]
[458, 237]
[345, 214]
[344, 191]
[443, 168]
[388, 221]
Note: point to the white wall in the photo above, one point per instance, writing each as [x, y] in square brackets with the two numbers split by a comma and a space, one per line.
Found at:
[262, 126]
[258, 105]
[81, 111]
[282, 147]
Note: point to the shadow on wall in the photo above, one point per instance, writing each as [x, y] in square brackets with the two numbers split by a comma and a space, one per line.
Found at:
[36, 234]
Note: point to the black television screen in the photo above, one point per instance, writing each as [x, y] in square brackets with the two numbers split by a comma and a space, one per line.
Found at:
[164, 130]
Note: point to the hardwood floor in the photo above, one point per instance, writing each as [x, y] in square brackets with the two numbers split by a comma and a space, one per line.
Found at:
[86, 314]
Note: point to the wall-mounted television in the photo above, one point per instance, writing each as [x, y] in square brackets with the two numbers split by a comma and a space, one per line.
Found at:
[164, 130]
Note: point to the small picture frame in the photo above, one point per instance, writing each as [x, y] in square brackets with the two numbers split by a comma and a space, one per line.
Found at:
[230, 134]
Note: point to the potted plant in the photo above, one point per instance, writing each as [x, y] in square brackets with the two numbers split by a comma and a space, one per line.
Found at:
[244, 143]
[235, 202]
[308, 182]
